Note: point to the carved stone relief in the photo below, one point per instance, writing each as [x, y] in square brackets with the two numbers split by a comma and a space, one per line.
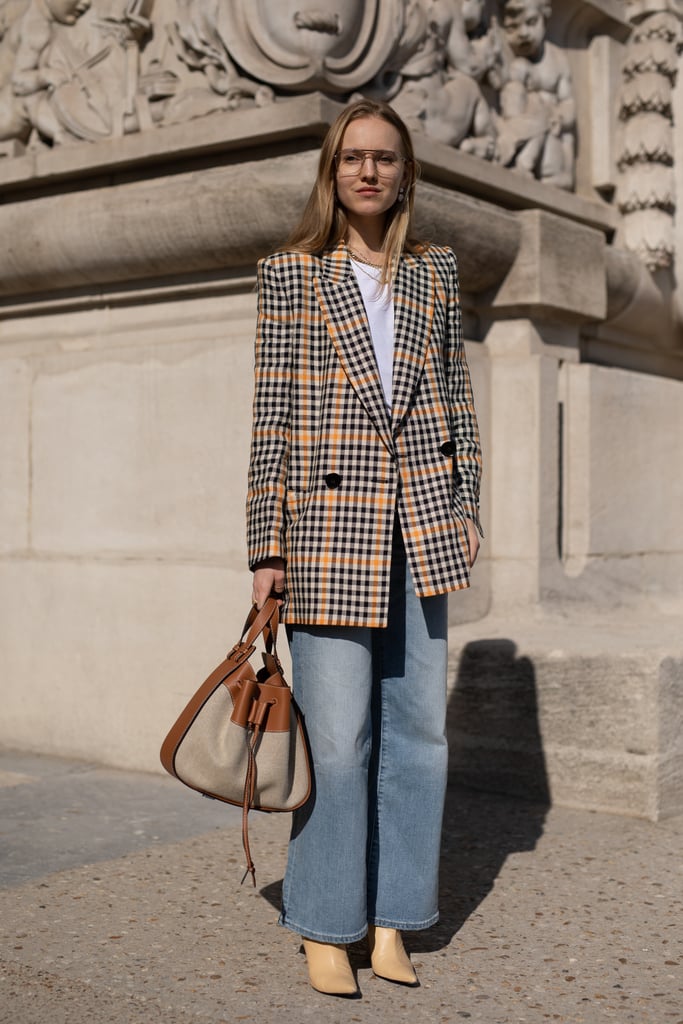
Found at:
[199, 62]
[490, 84]
[646, 190]
[72, 77]
[91, 69]
[332, 45]
[444, 61]
[537, 109]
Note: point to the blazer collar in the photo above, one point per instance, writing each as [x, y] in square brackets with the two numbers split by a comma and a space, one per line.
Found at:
[342, 307]
[413, 309]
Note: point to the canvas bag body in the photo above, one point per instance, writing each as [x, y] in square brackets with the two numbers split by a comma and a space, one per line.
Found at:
[208, 747]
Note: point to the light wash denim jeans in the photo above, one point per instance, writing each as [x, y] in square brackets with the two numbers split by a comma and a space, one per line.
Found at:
[365, 849]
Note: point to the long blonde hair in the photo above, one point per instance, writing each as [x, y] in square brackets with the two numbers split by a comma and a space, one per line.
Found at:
[323, 224]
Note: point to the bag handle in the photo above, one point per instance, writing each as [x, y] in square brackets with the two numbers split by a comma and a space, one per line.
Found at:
[266, 621]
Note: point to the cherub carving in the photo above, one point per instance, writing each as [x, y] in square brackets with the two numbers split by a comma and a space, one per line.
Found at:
[442, 76]
[14, 124]
[537, 109]
[29, 100]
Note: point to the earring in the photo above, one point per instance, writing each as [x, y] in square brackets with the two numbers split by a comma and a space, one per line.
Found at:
[401, 194]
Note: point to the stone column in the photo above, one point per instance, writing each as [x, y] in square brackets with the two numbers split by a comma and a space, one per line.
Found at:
[554, 284]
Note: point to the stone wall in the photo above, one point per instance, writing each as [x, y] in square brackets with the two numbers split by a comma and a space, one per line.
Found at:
[152, 152]
[123, 575]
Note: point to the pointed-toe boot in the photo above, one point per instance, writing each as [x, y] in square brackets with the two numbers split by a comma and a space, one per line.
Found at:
[329, 970]
[388, 957]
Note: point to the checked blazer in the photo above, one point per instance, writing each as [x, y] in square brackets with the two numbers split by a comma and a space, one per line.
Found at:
[330, 467]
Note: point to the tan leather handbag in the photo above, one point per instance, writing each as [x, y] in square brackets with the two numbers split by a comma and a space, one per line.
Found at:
[240, 738]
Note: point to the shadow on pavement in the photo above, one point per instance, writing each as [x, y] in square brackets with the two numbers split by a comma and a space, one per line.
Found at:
[498, 796]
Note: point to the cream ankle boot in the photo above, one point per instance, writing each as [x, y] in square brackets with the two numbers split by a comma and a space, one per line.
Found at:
[388, 957]
[329, 970]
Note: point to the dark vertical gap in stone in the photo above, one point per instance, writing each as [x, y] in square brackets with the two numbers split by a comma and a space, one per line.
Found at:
[560, 477]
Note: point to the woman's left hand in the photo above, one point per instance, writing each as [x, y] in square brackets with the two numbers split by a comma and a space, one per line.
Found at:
[269, 581]
[473, 541]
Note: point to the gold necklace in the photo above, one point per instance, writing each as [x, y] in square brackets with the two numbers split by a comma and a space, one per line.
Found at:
[364, 270]
[361, 259]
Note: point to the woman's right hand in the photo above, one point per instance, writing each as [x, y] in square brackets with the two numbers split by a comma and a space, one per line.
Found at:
[269, 581]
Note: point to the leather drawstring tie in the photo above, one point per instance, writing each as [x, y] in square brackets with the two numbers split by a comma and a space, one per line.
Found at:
[255, 723]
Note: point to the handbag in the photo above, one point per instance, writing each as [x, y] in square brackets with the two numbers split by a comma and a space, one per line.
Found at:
[241, 737]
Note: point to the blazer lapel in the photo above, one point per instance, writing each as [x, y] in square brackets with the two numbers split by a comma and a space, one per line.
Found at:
[413, 310]
[342, 307]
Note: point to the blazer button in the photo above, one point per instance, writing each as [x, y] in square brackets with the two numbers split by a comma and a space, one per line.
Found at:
[447, 448]
[332, 480]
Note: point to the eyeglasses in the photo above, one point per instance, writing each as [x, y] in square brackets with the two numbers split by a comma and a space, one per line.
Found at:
[351, 161]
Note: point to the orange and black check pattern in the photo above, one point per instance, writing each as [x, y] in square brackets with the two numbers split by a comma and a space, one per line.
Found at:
[330, 468]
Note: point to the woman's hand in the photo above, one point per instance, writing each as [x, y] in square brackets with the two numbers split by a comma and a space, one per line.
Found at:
[472, 540]
[269, 581]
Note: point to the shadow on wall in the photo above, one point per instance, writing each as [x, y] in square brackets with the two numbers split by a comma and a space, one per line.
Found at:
[496, 747]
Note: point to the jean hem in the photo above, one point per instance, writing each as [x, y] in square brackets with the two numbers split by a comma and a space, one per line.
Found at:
[308, 933]
[404, 926]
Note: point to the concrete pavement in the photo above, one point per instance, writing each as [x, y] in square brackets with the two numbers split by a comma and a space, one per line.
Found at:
[121, 904]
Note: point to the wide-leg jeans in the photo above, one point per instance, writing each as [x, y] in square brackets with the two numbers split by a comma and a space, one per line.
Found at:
[365, 849]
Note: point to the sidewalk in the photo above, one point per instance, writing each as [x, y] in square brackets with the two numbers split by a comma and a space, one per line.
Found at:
[121, 904]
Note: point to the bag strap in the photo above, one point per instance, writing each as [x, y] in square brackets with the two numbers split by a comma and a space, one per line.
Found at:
[266, 621]
[249, 790]
[259, 621]
[257, 716]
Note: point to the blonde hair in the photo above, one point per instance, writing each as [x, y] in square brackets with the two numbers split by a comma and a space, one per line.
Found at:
[323, 224]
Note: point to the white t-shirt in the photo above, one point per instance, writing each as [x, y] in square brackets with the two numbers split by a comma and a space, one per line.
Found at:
[379, 307]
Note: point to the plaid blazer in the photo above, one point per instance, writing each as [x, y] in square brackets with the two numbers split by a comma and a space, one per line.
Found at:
[330, 467]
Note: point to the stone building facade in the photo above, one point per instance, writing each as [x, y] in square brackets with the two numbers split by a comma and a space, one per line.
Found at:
[151, 152]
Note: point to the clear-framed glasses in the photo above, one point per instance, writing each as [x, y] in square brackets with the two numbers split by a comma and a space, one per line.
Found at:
[351, 161]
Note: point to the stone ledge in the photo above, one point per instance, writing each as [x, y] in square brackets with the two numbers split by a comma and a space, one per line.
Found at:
[194, 222]
[583, 715]
[447, 166]
[221, 133]
[290, 121]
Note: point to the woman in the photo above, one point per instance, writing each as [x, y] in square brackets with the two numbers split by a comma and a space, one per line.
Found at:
[362, 515]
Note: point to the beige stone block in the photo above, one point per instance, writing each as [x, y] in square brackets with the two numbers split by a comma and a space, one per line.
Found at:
[670, 764]
[514, 582]
[584, 716]
[619, 783]
[523, 464]
[144, 451]
[99, 659]
[15, 413]
[677, 103]
[559, 271]
[623, 482]
[151, 228]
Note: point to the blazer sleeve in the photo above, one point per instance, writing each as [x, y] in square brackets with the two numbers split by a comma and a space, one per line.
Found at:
[465, 431]
[271, 420]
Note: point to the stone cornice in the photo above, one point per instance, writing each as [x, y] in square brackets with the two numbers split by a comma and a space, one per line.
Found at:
[294, 122]
[205, 201]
